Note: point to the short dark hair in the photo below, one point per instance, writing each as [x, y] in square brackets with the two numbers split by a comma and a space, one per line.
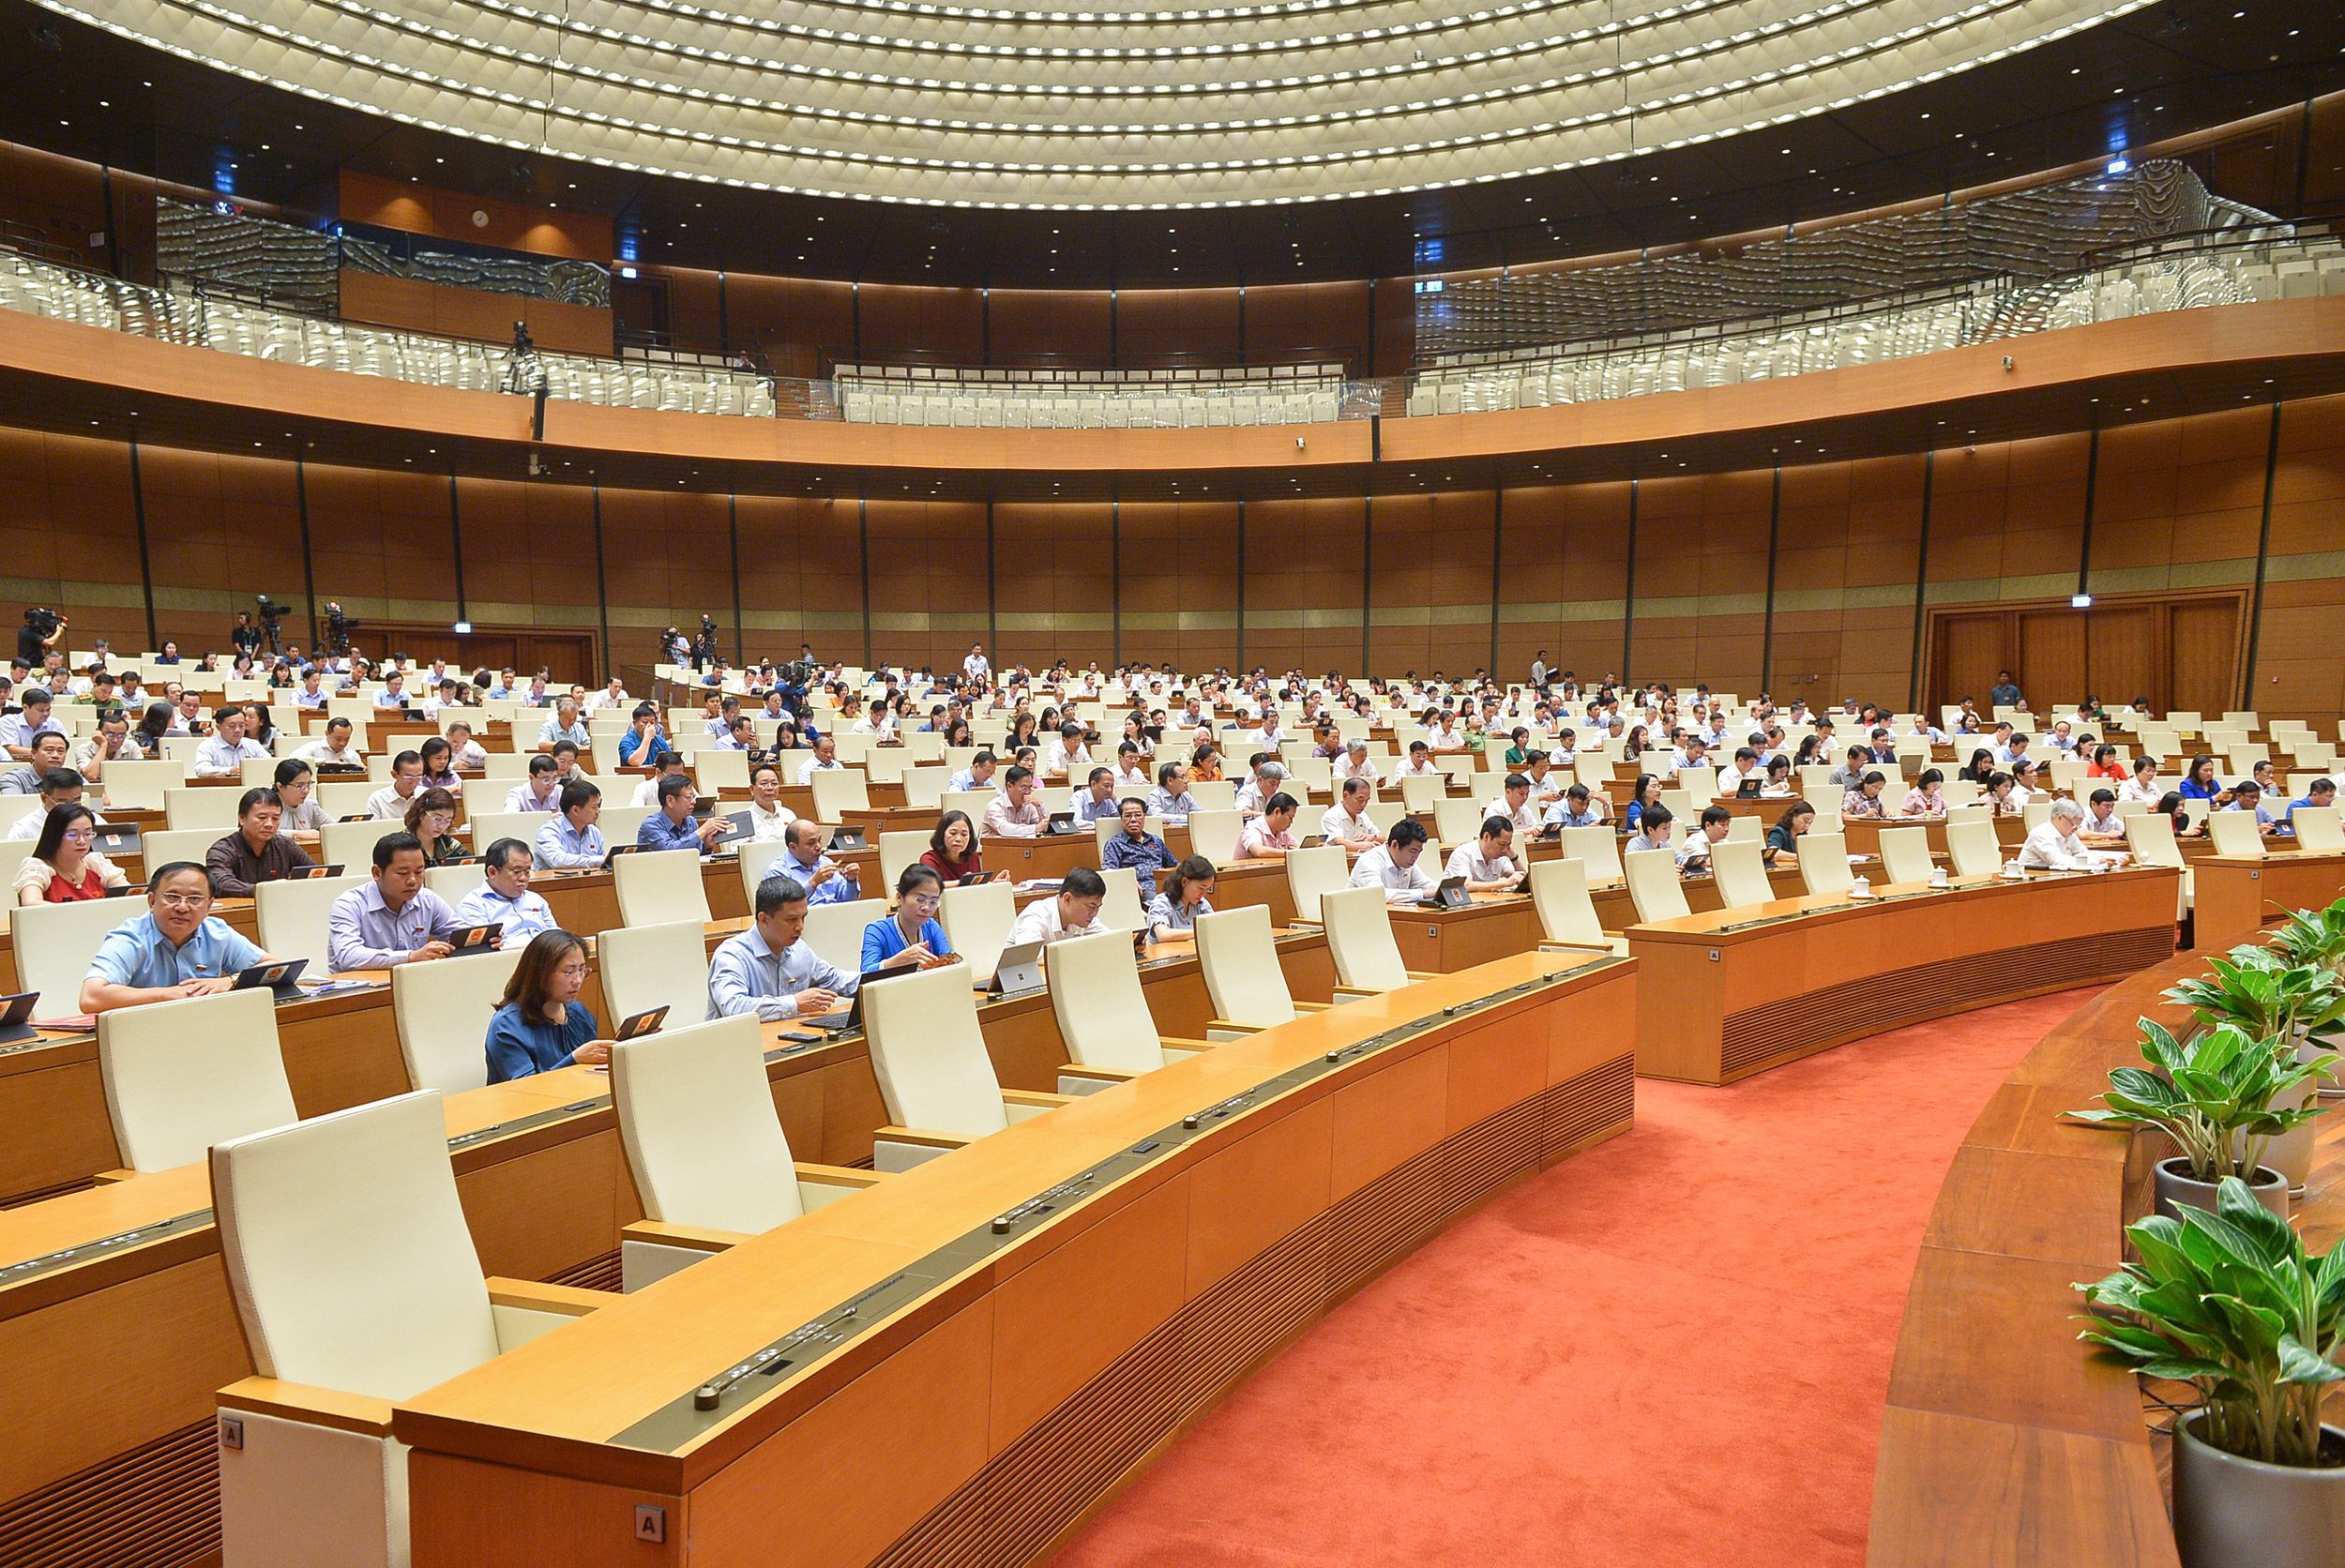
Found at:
[1097, 774]
[251, 798]
[774, 892]
[59, 778]
[1517, 781]
[543, 762]
[1281, 801]
[36, 695]
[577, 793]
[672, 786]
[1356, 786]
[219, 715]
[290, 769]
[2104, 797]
[1407, 831]
[1493, 826]
[404, 757]
[1085, 883]
[390, 847]
[171, 869]
[1715, 814]
[502, 850]
[1018, 775]
[1654, 815]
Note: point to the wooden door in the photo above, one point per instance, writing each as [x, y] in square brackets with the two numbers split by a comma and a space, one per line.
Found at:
[2050, 667]
[2126, 654]
[2203, 655]
[1970, 651]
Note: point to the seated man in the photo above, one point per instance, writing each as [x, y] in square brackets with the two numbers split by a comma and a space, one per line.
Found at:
[111, 743]
[503, 900]
[644, 739]
[571, 841]
[766, 971]
[1072, 912]
[333, 748]
[58, 787]
[1014, 813]
[1694, 854]
[2247, 796]
[1096, 798]
[48, 756]
[825, 760]
[1515, 806]
[2054, 845]
[394, 919]
[672, 827]
[768, 817]
[1348, 823]
[1420, 762]
[1394, 866]
[1170, 799]
[224, 755]
[978, 775]
[256, 852]
[540, 791]
[1488, 865]
[1270, 778]
[1136, 849]
[178, 948]
[1357, 763]
[17, 730]
[564, 726]
[390, 803]
[1270, 835]
[2319, 794]
[820, 879]
[1578, 808]
[2101, 820]
[670, 765]
[464, 753]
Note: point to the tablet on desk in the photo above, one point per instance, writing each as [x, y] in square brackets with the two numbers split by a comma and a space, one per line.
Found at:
[616, 851]
[310, 873]
[466, 940]
[1450, 895]
[16, 1014]
[848, 839]
[114, 842]
[1020, 969]
[645, 1022]
[277, 976]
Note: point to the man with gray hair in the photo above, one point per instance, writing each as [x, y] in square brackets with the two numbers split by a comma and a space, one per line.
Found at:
[2054, 845]
[1270, 776]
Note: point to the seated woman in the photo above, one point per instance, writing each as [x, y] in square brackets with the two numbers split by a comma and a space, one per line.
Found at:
[2198, 781]
[540, 1025]
[2170, 807]
[1863, 797]
[1999, 798]
[1188, 894]
[1778, 783]
[1783, 838]
[1646, 795]
[63, 868]
[910, 938]
[301, 817]
[1927, 798]
[432, 818]
[1979, 769]
[953, 851]
[439, 766]
[2106, 764]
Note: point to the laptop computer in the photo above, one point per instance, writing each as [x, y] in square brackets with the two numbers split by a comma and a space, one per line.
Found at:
[1018, 969]
[841, 1023]
[278, 975]
[16, 1012]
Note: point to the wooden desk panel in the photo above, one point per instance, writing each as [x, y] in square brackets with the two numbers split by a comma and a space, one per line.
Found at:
[1733, 993]
[2232, 898]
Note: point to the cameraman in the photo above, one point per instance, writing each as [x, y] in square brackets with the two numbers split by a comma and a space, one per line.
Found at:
[39, 633]
[245, 634]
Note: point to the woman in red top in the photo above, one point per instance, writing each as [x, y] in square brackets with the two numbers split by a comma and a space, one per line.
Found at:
[2107, 765]
[953, 850]
[61, 868]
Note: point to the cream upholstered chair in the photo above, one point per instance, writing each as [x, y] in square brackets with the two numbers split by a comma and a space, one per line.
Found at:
[1103, 1015]
[1457, 820]
[1654, 886]
[1740, 869]
[1970, 841]
[159, 848]
[1214, 835]
[292, 915]
[979, 920]
[924, 787]
[199, 806]
[490, 826]
[898, 850]
[837, 790]
[2150, 838]
[1314, 873]
[755, 859]
[661, 889]
[1567, 917]
[2319, 828]
[2235, 834]
[182, 1076]
[1823, 863]
[646, 967]
[1243, 977]
[1597, 848]
[55, 943]
[442, 1014]
[1905, 854]
[619, 822]
[1421, 794]
[140, 786]
[1360, 939]
[934, 1075]
[356, 1284]
[352, 844]
[451, 883]
[1123, 909]
[835, 931]
[970, 803]
[705, 1146]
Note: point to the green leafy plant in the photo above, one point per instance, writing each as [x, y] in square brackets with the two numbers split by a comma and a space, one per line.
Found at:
[2231, 1302]
[2212, 1097]
[2264, 993]
[2312, 938]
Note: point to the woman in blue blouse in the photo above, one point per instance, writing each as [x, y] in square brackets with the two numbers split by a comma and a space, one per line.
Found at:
[911, 936]
[2199, 782]
[1647, 793]
[542, 1025]
[1188, 894]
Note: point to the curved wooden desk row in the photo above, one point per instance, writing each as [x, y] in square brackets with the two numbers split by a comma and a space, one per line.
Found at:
[117, 1291]
[1159, 1237]
[2005, 1441]
[2234, 897]
[1735, 992]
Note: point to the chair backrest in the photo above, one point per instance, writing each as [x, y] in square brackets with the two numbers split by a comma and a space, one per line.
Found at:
[1740, 869]
[697, 1122]
[140, 784]
[1360, 939]
[924, 787]
[182, 1076]
[1559, 891]
[2318, 827]
[1823, 863]
[1597, 848]
[837, 790]
[195, 805]
[646, 967]
[453, 884]
[2037, 812]
[1102, 1013]
[1314, 873]
[1654, 886]
[1905, 854]
[979, 920]
[162, 846]
[1241, 964]
[898, 850]
[292, 915]
[619, 822]
[1214, 835]
[1419, 792]
[352, 844]
[929, 1056]
[347, 1252]
[661, 888]
[720, 770]
[442, 1014]
[835, 931]
[1212, 794]
[55, 943]
[2150, 838]
[1122, 910]
[1458, 822]
[1970, 841]
[2234, 833]
[970, 803]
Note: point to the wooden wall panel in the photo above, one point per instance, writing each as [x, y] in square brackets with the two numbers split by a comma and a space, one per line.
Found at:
[421, 209]
[1054, 583]
[667, 559]
[802, 576]
[2297, 667]
[1562, 577]
[222, 529]
[1847, 549]
[1176, 327]
[927, 564]
[1304, 559]
[800, 325]
[905, 321]
[1291, 321]
[1178, 565]
[1047, 326]
[69, 536]
[1429, 582]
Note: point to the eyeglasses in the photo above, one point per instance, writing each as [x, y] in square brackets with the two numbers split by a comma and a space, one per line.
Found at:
[183, 900]
[81, 835]
[922, 900]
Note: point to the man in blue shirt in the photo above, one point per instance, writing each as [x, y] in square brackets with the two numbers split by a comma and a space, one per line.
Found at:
[564, 726]
[644, 740]
[672, 827]
[18, 729]
[820, 880]
[176, 949]
[394, 919]
[766, 970]
[503, 900]
[2321, 795]
[1136, 849]
[571, 841]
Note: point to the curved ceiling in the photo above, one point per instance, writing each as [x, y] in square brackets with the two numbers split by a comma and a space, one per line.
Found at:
[1069, 110]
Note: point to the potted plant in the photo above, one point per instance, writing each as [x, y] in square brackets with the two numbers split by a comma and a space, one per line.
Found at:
[2316, 939]
[2215, 1098]
[2272, 997]
[2230, 1302]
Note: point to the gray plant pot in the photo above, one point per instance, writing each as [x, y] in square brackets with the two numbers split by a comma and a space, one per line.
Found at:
[2175, 1185]
[2291, 1153]
[2234, 1513]
[2328, 1043]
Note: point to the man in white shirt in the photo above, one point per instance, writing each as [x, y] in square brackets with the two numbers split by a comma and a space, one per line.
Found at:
[612, 696]
[2054, 846]
[1693, 854]
[1515, 806]
[503, 900]
[1014, 813]
[111, 742]
[1132, 771]
[1420, 762]
[332, 749]
[1445, 735]
[1488, 865]
[541, 790]
[224, 755]
[1355, 763]
[1395, 866]
[1072, 912]
[1270, 776]
[769, 819]
[974, 667]
[58, 787]
[391, 801]
[2101, 820]
[1348, 823]
[825, 760]
[672, 765]
[1744, 765]
[464, 751]
[1068, 755]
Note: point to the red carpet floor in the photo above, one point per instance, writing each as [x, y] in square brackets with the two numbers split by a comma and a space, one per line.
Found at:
[1673, 1349]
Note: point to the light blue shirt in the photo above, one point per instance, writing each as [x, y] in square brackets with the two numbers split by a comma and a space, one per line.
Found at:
[138, 954]
[747, 976]
[520, 918]
[1562, 815]
[552, 731]
[1166, 911]
[1087, 810]
[967, 779]
[838, 890]
[390, 699]
[16, 732]
[310, 698]
[559, 845]
[658, 833]
[1170, 807]
[364, 933]
[632, 742]
[883, 939]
